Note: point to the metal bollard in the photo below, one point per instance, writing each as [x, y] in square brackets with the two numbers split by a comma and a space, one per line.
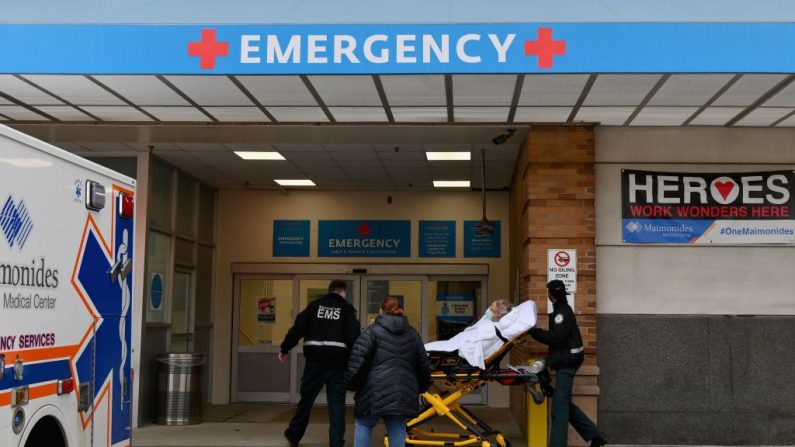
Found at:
[537, 419]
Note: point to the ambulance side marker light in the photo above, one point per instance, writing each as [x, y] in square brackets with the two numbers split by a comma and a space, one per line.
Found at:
[18, 420]
[19, 369]
[66, 386]
[126, 205]
[20, 396]
[95, 195]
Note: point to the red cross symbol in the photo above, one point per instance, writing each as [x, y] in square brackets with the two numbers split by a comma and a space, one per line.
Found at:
[544, 47]
[208, 49]
[364, 229]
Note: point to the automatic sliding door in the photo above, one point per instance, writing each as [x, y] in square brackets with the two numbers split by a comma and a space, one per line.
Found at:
[455, 303]
[407, 291]
[266, 306]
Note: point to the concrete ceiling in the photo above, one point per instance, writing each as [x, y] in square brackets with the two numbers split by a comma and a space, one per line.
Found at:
[339, 157]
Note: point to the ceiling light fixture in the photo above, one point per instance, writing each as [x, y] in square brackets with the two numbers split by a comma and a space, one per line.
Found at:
[295, 182]
[448, 156]
[251, 155]
[451, 183]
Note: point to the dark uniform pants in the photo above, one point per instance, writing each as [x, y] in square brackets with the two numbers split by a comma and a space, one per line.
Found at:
[312, 381]
[565, 412]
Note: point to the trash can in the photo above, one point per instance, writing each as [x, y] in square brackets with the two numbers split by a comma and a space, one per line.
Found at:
[179, 388]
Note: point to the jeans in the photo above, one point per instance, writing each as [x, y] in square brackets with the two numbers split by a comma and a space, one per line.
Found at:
[565, 412]
[395, 430]
[312, 381]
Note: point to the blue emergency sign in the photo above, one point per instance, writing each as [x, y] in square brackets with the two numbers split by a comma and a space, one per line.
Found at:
[290, 238]
[398, 48]
[364, 238]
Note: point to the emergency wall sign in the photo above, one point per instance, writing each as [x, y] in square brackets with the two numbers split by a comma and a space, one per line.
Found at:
[364, 238]
[562, 265]
[290, 238]
[708, 208]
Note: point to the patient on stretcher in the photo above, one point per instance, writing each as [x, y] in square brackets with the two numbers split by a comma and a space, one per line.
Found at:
[499, 324]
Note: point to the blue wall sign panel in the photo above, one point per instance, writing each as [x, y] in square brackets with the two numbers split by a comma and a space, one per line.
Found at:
[396, 49]
[455, 307]
[437, 239]
[364, 238]
[290, 238]
[481, 246]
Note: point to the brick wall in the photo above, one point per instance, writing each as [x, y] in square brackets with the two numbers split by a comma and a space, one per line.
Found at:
[552, 206]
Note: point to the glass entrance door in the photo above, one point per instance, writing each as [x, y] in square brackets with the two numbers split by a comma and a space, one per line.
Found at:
[409, 291]
[266, 307]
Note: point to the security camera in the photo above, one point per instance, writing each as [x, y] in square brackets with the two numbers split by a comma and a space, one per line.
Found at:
[500, 139]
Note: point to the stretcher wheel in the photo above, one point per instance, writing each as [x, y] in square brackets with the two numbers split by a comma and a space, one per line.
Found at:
[502, 441]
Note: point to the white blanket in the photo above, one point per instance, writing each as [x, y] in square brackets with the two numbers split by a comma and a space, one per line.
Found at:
[479, 341]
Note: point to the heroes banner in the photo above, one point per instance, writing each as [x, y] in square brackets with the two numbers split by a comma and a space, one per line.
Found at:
[708, 208]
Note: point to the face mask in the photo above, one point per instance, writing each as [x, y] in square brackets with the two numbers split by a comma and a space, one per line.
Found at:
[489, 314]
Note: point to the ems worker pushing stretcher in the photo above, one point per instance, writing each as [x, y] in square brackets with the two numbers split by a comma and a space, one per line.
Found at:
[329, 329]
[566, 354]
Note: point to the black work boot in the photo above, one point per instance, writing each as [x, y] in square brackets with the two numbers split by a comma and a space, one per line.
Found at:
[599, 440]
[290, 441]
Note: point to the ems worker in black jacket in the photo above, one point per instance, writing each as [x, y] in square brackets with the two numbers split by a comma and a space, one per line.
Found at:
[329, 329]
[566, 354]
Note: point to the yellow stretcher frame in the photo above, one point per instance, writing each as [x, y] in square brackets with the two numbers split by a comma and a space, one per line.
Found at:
[443, 399]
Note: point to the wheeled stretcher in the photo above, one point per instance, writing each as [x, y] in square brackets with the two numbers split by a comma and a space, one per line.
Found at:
[452, 379]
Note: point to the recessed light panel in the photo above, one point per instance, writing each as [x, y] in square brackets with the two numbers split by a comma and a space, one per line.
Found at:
[253, 155]
[447, 156]
[296, 182]
[451, 183]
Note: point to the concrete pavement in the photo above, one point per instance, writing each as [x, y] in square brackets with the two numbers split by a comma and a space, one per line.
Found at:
[261, 425]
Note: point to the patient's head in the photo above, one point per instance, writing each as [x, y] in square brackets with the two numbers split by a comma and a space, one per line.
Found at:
[498, 309]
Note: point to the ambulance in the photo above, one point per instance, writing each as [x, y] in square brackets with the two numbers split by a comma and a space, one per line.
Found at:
[66, 251]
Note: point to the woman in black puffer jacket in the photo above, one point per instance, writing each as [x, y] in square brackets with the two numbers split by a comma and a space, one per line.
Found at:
[388, 369]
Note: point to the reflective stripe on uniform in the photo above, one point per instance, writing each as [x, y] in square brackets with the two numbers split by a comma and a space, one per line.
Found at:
[325, 343]
[577, 350]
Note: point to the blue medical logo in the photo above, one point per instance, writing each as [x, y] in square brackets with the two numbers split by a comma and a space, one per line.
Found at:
[107, 354]
[78, 189]
[633, 226]
[15, 222]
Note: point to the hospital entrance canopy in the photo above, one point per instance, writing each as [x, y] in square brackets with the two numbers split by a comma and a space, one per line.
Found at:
[113, 87]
